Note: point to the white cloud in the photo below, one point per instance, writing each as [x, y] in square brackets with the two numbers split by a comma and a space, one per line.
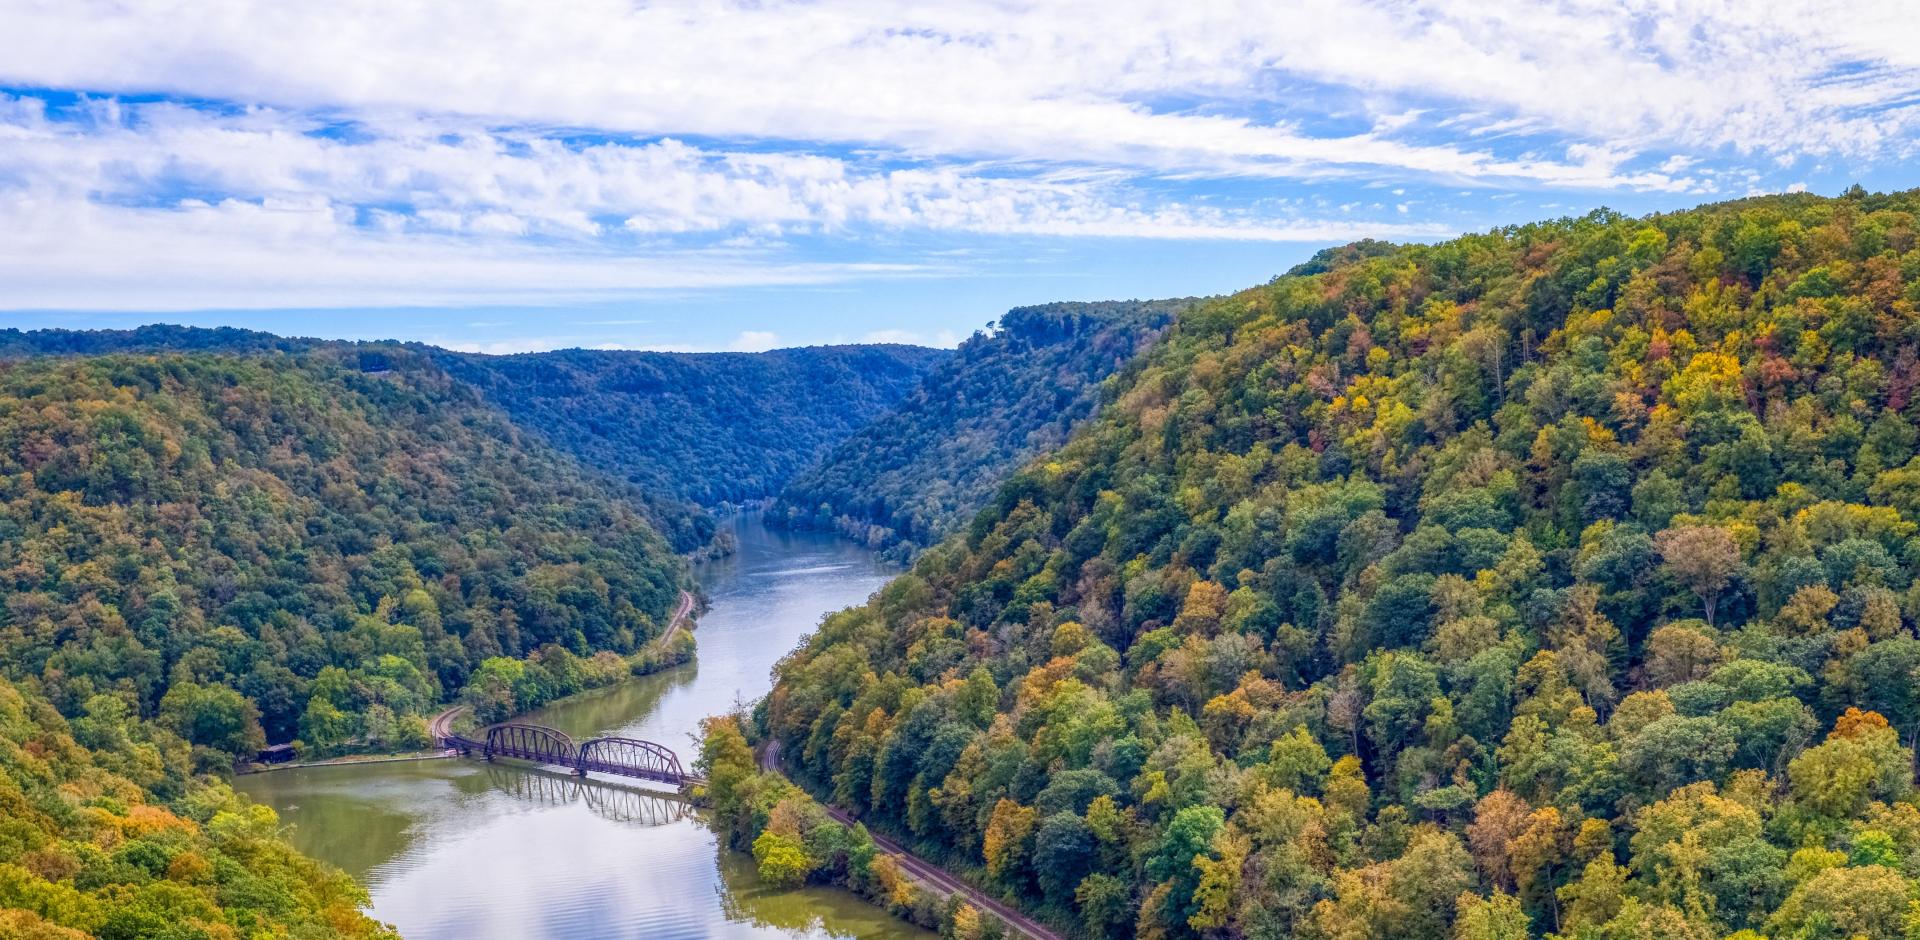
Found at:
[507, 347]
[753, 341]
[1036, 81]
[654, 347]
[533, 344]
[66, 254]
[96, 218]
[489, 183]
[388, 152]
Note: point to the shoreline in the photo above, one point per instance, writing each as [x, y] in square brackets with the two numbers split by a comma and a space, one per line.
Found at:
[346, 761]
[440, 723]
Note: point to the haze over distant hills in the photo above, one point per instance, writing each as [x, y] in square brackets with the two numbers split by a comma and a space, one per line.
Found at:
[894, 445]
[919, 472]
[688, 431]
[698, 428]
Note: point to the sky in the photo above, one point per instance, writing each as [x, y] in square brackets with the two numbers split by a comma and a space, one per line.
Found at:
[507, 176]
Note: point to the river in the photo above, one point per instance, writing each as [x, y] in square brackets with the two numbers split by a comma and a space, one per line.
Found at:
[457, 849]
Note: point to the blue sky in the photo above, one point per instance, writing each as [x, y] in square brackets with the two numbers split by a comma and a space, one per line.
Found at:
[713, 175]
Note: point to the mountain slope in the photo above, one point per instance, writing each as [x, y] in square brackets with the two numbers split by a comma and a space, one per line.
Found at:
[157, 337]
[93, 851]
[704, 427]
[1556, 579]
[687, 430]
[200, 553]
[919, 472]
[330, 541]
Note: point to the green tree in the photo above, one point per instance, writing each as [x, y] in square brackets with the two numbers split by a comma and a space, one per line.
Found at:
[213, 716]
[1188, 836]
[1104, 903]
[1064, 852]
[1871, 901]
[783, 860]
[1498, 917]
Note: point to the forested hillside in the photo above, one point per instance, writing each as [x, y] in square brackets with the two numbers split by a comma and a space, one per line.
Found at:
[157, 337]
[919, 472]
[108, 835]
[1555, 580]
[320, 547]
[705, 428]
[686, 430]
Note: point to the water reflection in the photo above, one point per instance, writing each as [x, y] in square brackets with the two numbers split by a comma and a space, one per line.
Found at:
[610, 801]
[463, 849]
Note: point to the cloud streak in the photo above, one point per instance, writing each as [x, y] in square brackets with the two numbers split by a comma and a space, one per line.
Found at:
[249, 153]
[272, 255]
[513, 183]
[1112, 82]
[110, 205]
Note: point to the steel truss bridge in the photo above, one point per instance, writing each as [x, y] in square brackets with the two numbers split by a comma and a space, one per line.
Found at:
[615, 756]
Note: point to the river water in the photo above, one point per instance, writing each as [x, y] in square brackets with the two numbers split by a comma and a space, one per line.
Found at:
[459, 849]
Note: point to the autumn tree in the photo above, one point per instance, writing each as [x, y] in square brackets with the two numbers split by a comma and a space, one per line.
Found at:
[1703, 557]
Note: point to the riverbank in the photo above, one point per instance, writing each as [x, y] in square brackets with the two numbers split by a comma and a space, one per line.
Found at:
[672, 649]
[450, 850]
[881, 887]
[343, 761]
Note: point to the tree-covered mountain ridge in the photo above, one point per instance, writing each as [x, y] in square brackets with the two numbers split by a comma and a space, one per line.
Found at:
[320, 546]
[201, 553]
[688, 432]
[92, 850]
[917, 473]
[702, 429]
[1556, 580]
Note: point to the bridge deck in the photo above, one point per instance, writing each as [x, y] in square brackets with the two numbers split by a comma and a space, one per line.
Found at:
[620, 757]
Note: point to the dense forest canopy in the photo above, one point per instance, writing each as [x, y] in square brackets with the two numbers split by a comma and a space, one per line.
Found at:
[686, 431]
[1553, 580]
[105, 833]
[705, 428]
[205, 552]
[320, 546]
[917, 473]
[157, 337]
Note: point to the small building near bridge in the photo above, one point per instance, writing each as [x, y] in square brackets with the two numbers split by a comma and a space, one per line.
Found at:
[277, 754]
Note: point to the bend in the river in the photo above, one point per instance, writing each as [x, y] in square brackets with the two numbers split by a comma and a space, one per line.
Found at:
[463, 849]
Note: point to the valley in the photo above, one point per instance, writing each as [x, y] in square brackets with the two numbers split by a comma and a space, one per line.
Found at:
[1077, 470]
[1557, 580]
[455, 849]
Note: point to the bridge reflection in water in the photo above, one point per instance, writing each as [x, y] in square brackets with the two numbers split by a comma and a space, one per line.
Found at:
[608, 801]
[621, 757]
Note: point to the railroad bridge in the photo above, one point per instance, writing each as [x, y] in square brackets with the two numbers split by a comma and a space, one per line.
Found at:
[620, 757]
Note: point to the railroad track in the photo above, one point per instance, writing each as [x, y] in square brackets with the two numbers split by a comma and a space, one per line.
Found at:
[440, 727]
[927, 872]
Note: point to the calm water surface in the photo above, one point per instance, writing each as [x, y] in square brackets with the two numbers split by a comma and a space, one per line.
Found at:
[463, 849]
